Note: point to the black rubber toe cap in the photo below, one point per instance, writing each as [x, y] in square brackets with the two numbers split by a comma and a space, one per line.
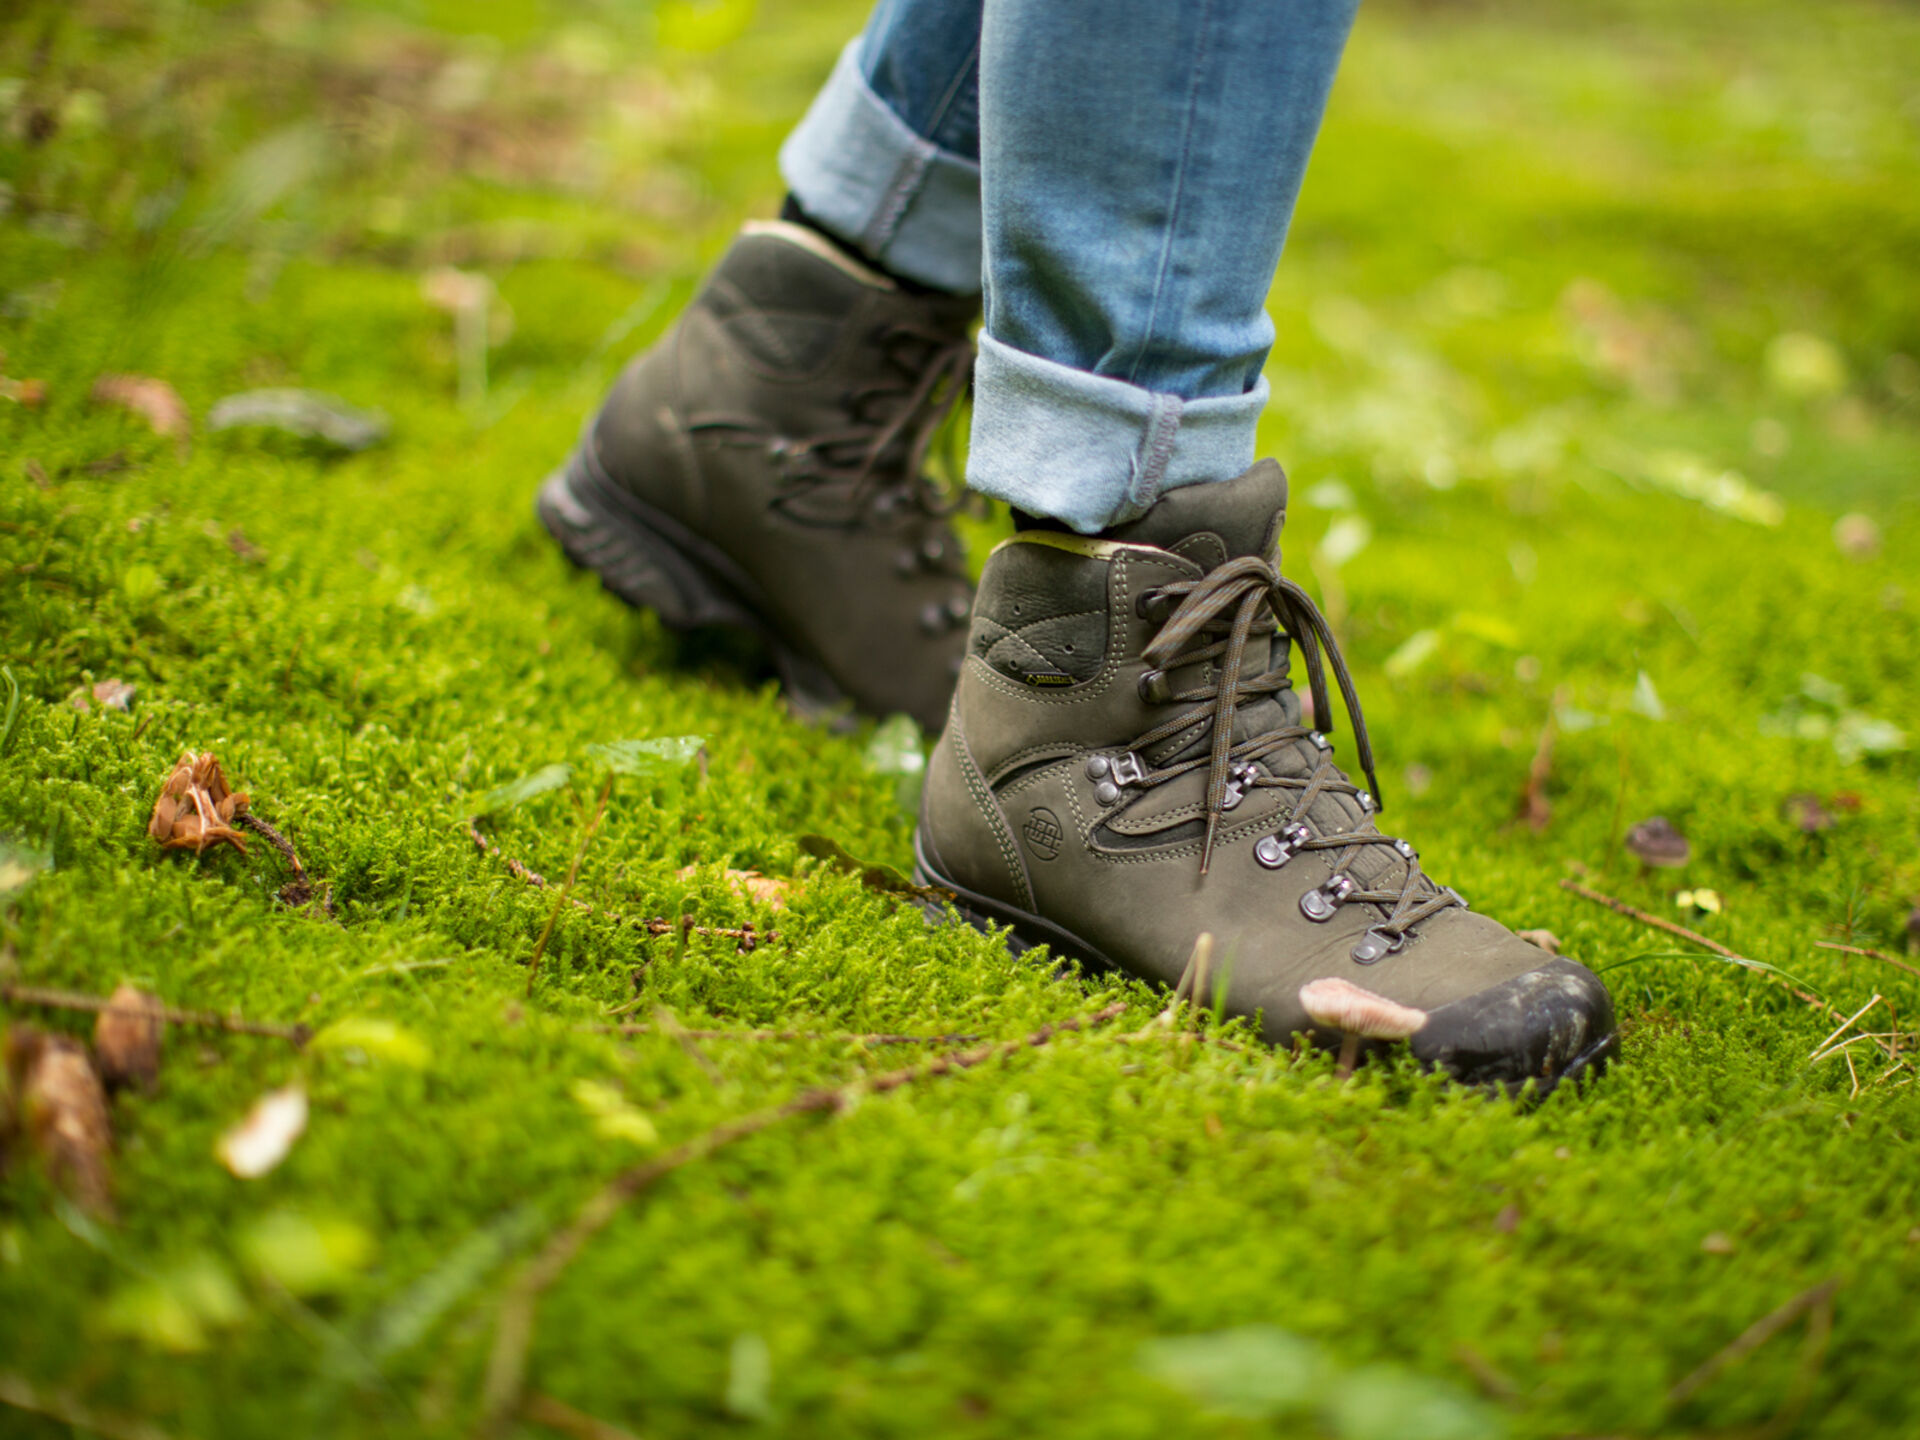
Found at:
[1549, 1025]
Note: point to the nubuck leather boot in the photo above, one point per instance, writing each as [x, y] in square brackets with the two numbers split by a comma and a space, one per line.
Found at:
[760, 468]
[1125, 769]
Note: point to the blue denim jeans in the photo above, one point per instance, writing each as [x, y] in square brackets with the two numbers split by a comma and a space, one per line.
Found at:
[1116, 178]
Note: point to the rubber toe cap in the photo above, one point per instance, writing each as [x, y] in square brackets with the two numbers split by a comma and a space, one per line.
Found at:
[1548, 1025]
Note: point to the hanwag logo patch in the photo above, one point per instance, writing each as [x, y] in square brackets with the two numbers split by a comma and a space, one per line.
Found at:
[1043, 833]
[1047, 677]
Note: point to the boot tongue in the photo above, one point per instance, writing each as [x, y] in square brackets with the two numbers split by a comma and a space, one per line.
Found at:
[1213, 523]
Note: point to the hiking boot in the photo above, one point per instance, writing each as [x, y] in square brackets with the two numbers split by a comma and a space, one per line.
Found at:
[760, 468]
[1125, 769]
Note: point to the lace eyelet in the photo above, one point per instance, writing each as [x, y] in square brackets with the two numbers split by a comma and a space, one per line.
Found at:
[1153, 687]
[1322, 904]
[1376, 945]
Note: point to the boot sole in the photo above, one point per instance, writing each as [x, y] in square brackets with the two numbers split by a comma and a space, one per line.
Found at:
[653, 562]
[1022, 931]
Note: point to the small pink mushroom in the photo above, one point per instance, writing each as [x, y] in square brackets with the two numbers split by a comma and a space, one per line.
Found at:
[1358, 1015]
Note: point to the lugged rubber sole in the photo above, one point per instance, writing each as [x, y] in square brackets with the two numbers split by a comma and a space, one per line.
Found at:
[1022, 931]
[653, 562]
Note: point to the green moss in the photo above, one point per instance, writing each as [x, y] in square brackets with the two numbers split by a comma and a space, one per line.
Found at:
[1537, 255]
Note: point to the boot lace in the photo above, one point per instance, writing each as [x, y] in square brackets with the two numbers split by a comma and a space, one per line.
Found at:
[1206, 623]
[876, 463]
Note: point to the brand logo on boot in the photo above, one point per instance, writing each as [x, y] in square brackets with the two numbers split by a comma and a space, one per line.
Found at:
[1043, 833]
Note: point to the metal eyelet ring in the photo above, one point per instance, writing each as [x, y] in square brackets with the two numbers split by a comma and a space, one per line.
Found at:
[1405, 851]
[1376, 944]
[1128, 769]
[1098, 766]
[1106, 793]
[1320, 742]
[1270, 852]
[1320, 905]
[933, 619]
[1367, 806]
[1153, 687]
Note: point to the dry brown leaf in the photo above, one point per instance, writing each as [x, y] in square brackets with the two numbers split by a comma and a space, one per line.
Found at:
[114, 694]
[126, 1038]
[154, 401]
[196, 807]
[238, 542]
[30, 393]
[63, 1112]
[262, 1140]
[1545, 939]
[752, 885]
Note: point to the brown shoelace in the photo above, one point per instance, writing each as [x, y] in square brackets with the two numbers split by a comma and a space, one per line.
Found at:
[1207, 622]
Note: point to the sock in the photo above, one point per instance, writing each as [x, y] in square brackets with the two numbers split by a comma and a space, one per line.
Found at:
[791, 212]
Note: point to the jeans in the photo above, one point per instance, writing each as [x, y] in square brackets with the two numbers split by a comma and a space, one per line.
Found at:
[1116, 179]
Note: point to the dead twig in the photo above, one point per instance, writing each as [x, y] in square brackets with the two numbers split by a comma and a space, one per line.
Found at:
[1845, 1025]
[506, 1368]
[841, 1036]
[299, 890]
[1870, 954]
[746, 937]
[18, 1392]
[1753, 1337]
[295, 1035]
[1694, 936]
[1536, 809]
[558, 1415]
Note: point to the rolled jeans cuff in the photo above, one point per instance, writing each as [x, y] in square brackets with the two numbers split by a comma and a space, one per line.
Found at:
[859, 170]
[1092, 451]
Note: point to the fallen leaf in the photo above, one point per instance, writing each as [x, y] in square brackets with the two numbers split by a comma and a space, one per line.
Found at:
[1656, 842]
[304, 413]
[174, 1309]
[381, 1039]
[154, 401]
[238, 542]
[614, 1116]
[126, 1038]
[18, 866]
[1508, 1220]
[30, 393]
[114, 694]
[1706, 902]
[196, 807]
[1545, 939]
[752, 885]
[875, 877]
[261, 1141]
[303, 1255]
[63, 1112]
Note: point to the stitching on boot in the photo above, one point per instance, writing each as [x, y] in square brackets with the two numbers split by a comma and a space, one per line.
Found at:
[996, 820]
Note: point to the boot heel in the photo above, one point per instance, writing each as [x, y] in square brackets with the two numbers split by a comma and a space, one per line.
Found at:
[632, 559]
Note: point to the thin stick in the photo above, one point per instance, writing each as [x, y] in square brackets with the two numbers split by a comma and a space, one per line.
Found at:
[842, 1036]
[558, 1415]
[1870, 954]
[507, 1367]
[295, 1035]
[1844, 1026]
[17, 1391]
[566, 890]
[1658, 923]
[275, 839]
[1752, 1338]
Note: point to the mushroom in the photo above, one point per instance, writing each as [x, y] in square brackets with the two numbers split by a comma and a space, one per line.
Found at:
[1358, 1014]
[1656, 842]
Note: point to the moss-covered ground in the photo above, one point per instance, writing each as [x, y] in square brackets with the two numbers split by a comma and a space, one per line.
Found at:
[1594, 321]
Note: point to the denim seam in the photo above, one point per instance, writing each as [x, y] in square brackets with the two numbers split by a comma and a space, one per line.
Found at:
[1156, 449]
[945, 108]
[1178, 195]
[893, 205]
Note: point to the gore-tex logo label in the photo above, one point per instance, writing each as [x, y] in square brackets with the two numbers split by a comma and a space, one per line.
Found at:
[1043, 833]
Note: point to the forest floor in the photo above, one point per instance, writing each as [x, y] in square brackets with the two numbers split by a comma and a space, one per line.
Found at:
[1599, 383]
